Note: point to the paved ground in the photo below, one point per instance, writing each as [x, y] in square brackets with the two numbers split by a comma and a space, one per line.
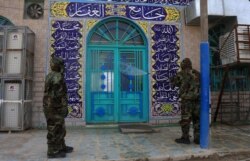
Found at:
[92, 144]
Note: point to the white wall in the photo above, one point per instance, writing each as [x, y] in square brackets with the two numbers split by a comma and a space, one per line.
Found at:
[239, 8]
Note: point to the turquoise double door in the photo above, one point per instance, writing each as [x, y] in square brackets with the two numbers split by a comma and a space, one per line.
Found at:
[116, 85]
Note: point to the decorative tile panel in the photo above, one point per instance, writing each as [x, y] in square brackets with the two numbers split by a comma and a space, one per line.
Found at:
[165, 58]
[66, 43]
[102, 10]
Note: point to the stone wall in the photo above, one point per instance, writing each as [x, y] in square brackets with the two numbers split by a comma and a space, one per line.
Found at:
[191, 46]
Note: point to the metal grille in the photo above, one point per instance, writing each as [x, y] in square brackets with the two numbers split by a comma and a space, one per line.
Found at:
[228, 52]
[28, 90]
[117, 83]
[29, 64]
[131, 71]
[216, 77]
[233, 104]
[235, 46]
[16, 70]
[235, 108]
[117, 31]
[1, 49]
[102, 71]
[16, 51]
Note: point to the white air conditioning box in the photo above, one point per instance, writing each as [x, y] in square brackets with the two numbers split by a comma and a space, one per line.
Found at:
[11, 115]
[13, 62]
[12, 91]
[15, 40]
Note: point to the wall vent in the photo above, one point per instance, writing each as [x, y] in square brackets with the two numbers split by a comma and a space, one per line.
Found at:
[33, 9]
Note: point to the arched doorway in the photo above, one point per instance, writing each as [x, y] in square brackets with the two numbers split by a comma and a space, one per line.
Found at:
[5, 21]
[116, 73]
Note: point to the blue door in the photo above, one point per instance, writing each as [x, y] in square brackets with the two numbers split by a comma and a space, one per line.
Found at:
[116, 73]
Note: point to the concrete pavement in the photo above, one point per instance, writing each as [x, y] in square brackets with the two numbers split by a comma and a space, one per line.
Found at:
[95, 144]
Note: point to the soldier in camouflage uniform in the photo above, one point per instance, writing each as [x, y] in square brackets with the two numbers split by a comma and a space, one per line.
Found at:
[188, 81]
[55, 109]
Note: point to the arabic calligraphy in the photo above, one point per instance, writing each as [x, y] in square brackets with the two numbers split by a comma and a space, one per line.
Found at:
[94, 10]
[146, 13]
[74, 97]
[164, 29]
[178, 2]
[165, 57]
[165, 48]
[66, 25]
[68, 55]
[66, 45]
[165, 2]
[102, 10]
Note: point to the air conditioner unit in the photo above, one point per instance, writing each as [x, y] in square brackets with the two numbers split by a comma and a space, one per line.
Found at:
[228, 45]
[13, 62]
[33, 9]
[15, 40]
[12, 91]
[11, 115]
[11, 106]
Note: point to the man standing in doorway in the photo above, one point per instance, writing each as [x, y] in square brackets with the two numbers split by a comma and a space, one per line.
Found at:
[55, 109]
[188, 81]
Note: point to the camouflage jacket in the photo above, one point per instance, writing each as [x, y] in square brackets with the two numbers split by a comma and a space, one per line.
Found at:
[188, 82]
[55, 94]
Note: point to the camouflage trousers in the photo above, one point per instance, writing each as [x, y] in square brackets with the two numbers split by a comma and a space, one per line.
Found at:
[56, 133]
[190, 112]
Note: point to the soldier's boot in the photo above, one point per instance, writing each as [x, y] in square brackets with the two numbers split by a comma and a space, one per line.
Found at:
[59, 154]
[182, 140]
[67, 149]
[185, 136]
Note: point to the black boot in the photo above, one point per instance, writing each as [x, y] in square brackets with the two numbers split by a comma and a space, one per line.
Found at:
[59, 154]
[182, 140]
[185, 133]
[67, 149]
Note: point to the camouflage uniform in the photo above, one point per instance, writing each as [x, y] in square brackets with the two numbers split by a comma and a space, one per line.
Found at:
[188, 81]
[55, 108]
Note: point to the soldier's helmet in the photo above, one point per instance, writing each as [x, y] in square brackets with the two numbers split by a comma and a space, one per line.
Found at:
[186, 64]
[56, 64]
